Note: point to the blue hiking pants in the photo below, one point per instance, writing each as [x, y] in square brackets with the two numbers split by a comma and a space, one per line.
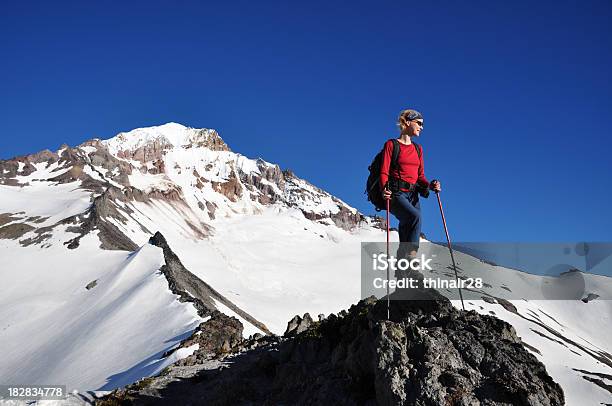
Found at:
[406, 208]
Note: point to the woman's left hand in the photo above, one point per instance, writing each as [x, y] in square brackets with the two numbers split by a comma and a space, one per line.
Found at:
[436, 186]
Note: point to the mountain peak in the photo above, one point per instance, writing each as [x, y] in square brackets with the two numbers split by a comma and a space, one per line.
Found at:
[170, 135]
[171, 124]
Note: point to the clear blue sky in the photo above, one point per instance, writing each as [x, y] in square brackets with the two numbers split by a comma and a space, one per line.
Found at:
[516, 95]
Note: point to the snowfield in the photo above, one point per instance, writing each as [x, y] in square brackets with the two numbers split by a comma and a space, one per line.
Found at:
[53, 329]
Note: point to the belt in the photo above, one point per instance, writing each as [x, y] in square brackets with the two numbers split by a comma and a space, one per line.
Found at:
[396, 184]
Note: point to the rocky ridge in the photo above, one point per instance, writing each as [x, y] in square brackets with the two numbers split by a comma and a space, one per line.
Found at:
[426, 353]
[192, 289]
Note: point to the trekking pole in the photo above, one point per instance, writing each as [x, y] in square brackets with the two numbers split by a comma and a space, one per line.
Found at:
[388, 274]
[450, 248]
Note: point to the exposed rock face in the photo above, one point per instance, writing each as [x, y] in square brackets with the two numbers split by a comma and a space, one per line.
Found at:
[230, 188]
[23, 166]
[15, 231]
[211, 209]
[115, 169]
[298, 191]
[208, 138]
[428, 353]
[217, 336]
[266, 184]
[272, 185]
[6, 218]
[149, 152]
[344, 218]
[458, 359]
[298, 325]
[173, 193]
[103, 207]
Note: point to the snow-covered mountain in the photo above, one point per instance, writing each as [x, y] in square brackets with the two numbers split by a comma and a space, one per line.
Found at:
[82, 217]
[84, 299]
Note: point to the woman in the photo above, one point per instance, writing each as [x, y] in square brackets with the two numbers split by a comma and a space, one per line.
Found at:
[401, 183]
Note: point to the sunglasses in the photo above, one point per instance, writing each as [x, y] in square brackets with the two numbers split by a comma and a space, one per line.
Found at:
[420, 123]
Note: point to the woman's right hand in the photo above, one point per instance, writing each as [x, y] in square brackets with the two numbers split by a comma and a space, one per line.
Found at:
[386, 194]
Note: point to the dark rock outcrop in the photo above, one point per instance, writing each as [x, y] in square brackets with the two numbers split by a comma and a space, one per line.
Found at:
[426, 353]
[15, 231]
[298, 325]
[589, 297]
[217, 336]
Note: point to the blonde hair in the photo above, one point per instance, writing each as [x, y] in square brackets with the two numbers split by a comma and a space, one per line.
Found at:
[407, 115]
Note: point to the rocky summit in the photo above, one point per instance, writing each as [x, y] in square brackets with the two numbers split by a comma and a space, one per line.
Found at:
[426, 353]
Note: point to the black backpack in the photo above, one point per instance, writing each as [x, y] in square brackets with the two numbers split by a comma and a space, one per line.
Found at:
[373, 189]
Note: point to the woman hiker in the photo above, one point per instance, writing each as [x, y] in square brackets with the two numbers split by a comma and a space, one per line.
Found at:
[403, 183]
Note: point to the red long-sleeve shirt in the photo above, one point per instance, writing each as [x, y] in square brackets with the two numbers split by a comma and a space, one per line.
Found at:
[409, 166]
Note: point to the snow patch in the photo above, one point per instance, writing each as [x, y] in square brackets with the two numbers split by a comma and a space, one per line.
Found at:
[88, 149]
[56, 201]
[247, 165]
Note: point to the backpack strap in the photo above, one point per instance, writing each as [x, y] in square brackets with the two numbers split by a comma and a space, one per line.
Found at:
[394, 158]
[395, 155]
[418, 149]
